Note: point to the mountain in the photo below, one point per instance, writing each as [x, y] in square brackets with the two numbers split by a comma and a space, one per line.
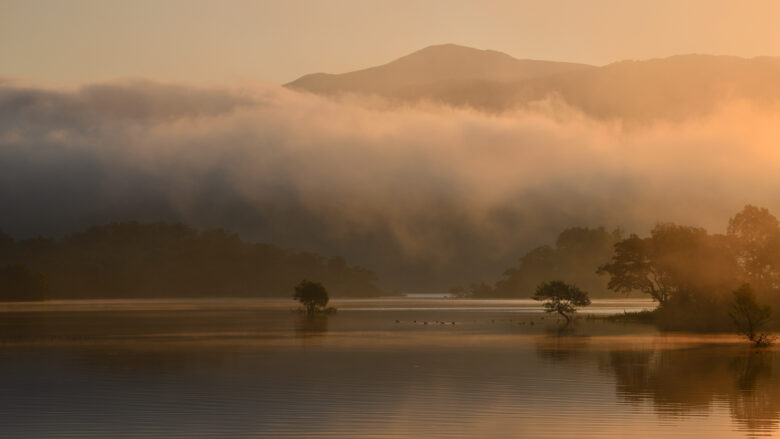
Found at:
[433, 67]
[673, 88]
[669, 88]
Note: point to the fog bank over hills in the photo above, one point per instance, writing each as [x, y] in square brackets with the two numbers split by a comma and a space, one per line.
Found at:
[634, 91]
[427, 192]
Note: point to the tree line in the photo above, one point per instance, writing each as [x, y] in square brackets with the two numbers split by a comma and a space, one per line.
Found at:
[134, 260]
[700, 279]
[697, 278]
[573, 259]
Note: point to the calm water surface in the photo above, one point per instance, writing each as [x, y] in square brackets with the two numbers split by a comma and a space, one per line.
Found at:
[390, 368]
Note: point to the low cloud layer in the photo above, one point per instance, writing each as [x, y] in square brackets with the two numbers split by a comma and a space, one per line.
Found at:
[428, 196]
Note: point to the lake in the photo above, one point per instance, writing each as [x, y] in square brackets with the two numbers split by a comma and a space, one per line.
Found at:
[379, 368]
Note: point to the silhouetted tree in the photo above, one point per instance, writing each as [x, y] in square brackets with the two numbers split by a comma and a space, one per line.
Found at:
[312, 295]
[18, 282]
[134, 260]
[561, 298]
[674, 260]
[574, 258]
[755, 237]
[632, 269]
[749, 317]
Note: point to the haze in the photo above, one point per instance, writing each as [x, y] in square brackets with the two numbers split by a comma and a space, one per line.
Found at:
[81, 41]
[432, 165]
[438, 219]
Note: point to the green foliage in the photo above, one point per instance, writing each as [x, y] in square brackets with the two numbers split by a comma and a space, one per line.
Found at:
[312, 295]
[20, 283]
[561, 298]
[132, 260]
[749, 317]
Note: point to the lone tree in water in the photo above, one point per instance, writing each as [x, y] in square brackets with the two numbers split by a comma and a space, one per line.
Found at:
[561, 298]
[749, 317]
[312, 295]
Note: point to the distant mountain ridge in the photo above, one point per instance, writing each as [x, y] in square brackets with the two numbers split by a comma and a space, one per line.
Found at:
[667, 88]
[447, 63]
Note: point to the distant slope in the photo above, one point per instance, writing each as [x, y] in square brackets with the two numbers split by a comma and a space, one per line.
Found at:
[431, 67]
[132, 260]
[669, 88]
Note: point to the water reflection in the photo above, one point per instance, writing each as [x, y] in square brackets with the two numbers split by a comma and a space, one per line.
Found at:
[756, 405]
[277, 373]
[562, 343]
[311, 326]
[682, 381]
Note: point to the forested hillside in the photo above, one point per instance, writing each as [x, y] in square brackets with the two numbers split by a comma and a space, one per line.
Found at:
[129, 260]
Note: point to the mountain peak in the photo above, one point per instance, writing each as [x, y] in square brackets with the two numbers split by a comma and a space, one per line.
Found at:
[432, 66]
[450, 49]
[671, 87]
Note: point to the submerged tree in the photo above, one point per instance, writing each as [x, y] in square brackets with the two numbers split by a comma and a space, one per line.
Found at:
[749, 317]
[561, 298]
[312, 295]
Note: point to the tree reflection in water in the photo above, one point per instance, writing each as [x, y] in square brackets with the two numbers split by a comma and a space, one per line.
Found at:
[311, 326]
[682, 381]
[562, 343]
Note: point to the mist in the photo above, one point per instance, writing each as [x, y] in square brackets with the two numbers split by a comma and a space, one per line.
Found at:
[428, 195]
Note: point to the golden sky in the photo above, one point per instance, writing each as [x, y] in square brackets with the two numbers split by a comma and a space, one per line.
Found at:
[78, 41]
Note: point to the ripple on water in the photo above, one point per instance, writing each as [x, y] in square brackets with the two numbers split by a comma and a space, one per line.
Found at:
[197, 372]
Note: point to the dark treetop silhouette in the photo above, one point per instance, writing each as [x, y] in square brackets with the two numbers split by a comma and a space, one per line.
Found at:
[132, 260]
[689, 272]
[692, 274]
[749, 317]
[574, 258]
[312, 295]
[561, 298]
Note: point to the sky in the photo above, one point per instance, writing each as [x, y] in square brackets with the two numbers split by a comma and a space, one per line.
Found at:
[82, 41]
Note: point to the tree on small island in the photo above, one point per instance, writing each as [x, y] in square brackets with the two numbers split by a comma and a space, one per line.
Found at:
[561, 298]
[749, 317]
[313, 296]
